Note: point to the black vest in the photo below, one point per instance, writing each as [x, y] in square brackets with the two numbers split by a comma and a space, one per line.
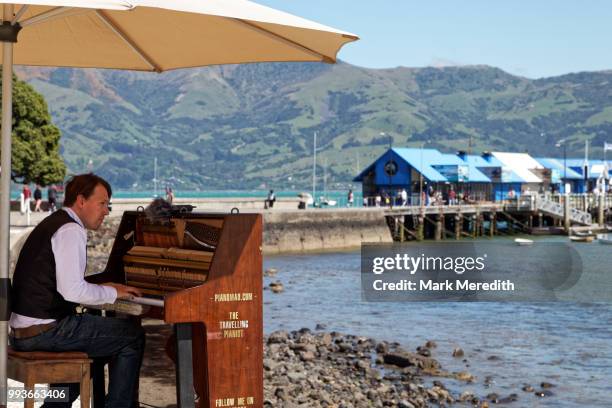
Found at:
[34, 292]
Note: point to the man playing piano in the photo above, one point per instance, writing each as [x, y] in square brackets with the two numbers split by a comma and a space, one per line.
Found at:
[49, 283]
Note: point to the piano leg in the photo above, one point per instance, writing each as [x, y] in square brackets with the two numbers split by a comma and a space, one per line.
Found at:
[185, 396]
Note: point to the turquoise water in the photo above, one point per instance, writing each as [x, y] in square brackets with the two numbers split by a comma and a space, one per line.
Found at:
[565, 343]
[339, 196]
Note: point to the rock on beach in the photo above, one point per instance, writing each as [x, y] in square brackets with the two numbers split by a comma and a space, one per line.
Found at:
[319, 369]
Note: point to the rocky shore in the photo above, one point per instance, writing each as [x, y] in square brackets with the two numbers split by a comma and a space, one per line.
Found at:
[318, 368]
[328, 369]
[321, 369]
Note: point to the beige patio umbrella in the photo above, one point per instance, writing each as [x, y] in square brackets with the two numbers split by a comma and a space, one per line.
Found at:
[144, 35]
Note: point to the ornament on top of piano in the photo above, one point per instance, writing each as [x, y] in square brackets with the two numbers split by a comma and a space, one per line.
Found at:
[166, 225]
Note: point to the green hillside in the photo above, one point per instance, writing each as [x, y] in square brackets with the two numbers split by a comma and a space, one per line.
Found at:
[252, 125]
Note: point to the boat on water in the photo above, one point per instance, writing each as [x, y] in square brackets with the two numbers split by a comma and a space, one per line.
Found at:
[588, 233]
[580, 238]
[605, 239]
[523, 241]
[547, 231]
[327, 202]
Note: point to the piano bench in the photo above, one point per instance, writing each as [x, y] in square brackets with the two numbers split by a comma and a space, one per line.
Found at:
[43, 367]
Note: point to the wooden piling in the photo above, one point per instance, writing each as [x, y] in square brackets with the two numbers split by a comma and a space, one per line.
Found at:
[540, 220]
[530, 221]
[458, 225]
[438, 230]
[600, 209]
[420, 227]
[566, 213]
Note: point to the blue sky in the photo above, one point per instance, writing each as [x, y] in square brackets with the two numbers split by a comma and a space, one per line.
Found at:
[537, 38]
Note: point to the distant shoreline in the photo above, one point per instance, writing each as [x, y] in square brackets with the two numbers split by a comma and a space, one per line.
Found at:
[338, 195]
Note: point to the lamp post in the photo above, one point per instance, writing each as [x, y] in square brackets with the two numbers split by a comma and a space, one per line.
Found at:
[566, 218]
[420, 230]
[421, 178]
[314, 168]
[382, 135]
[559, 143]
[421, 173]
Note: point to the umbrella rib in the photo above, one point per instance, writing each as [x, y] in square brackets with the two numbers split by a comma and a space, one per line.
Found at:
[51, 14]
[282, 39]
[19, 14]
[117, 30]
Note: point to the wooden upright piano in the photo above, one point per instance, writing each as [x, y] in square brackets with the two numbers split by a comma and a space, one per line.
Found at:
[203, 274]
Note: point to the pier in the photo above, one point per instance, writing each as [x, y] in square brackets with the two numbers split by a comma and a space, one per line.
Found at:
[531, 214]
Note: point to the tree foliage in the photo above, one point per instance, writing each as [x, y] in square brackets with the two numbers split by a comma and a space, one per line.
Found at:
[35, 139]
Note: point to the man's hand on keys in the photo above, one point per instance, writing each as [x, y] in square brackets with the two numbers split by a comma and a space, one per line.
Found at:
[124, 291]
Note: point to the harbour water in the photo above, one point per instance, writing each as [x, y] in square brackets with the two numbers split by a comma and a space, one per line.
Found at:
[568, 344]
[339, 196]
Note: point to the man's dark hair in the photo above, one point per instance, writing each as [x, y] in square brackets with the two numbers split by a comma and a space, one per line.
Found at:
[83, 184]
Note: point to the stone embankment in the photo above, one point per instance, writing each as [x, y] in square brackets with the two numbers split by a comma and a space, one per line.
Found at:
[287, 231]
[321, 230]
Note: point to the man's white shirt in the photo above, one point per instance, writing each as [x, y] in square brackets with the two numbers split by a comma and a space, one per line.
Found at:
[69, 245]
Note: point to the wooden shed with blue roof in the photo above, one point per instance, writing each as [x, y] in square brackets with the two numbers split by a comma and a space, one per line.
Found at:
[417, 170]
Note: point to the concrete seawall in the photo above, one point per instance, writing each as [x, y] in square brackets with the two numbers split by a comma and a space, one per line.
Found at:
[321, 230]
[289, 230]
[284, 231]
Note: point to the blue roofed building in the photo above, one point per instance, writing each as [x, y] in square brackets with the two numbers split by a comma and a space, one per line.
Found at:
[504, 181]
[562, 175]
[492, 176]
[417, 170]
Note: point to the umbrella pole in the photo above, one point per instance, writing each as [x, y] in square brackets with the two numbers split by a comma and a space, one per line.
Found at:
[5, 187]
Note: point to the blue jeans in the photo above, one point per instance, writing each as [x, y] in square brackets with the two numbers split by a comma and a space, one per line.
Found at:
[100, 337]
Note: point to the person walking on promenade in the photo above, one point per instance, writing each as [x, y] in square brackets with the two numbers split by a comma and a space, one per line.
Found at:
[350, 198]
[52, 198]
[49, 282]
[270, 200]
[37, 199]
[386, 199]
[511, 194]
[169, 194]
[27, 197]
[452, 196]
